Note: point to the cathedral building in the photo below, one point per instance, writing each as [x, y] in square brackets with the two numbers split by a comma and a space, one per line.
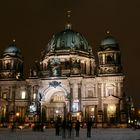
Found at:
[67, 82]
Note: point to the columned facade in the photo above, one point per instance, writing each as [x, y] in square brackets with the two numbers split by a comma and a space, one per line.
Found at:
[65, 83]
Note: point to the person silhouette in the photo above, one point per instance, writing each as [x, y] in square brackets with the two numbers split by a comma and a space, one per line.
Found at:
[64, 128]
[57, 127]
[69, 127]
[89, 125]
[77, 128]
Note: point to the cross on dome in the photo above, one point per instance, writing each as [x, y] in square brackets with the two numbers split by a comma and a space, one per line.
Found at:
[68, 25]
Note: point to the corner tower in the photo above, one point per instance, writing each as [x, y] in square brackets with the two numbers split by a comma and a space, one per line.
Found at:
[11, 63]
[109, 57]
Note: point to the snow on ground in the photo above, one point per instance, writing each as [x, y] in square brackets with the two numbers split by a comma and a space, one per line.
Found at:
[49, 134]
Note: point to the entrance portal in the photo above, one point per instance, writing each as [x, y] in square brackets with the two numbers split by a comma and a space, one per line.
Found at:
[55, 104]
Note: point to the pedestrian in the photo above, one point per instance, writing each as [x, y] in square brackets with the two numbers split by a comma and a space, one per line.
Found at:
[58, 126]
[12, 128]
[64, 128]
[69, 127]
[41, 127]
[89, 126]
[77, 128]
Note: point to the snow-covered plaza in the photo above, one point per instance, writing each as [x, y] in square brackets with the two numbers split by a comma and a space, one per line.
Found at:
[49, 134]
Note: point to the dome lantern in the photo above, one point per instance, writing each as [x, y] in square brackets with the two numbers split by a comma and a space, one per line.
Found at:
[68, 24]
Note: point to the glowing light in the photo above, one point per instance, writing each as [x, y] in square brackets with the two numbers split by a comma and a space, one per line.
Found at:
[108, 32]
[92, 109]
[57, 111]
[111, 109]
[17, 114]
[34, 96]
[78, 114]
[23, 95]
[14, 40]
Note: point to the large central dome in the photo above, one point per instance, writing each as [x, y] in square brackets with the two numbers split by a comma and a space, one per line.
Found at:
[68, 53]
[68, 40]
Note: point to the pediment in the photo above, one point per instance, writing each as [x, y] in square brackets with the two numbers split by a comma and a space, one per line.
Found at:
[111, 100]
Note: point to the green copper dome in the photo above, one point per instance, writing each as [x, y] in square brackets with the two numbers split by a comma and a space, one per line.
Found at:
[12, 50]
[109, 42]
[68, 40]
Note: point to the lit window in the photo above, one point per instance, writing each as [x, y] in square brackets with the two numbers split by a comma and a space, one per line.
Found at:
[4, 95]
[23, 95]
[75, 107]
[34, 96]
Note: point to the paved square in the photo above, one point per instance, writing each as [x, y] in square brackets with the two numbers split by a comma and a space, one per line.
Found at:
[49, 134]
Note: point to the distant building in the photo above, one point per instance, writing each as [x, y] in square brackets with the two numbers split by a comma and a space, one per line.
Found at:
[67, 82]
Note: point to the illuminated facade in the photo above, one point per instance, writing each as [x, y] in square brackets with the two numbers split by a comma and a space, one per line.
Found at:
[66, 82]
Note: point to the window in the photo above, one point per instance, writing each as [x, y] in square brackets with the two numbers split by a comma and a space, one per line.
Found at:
[34, 96]
[75, 107]
[110, 59]
[4, 95]
[23, 94]
[58, 98]
[90, 93]
[110, 91]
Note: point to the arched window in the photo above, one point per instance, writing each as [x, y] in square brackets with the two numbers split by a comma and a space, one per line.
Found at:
[109, 59]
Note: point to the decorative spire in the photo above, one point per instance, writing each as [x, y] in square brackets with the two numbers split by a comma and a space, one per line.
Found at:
[14, 40]
[68, 25]
[108, 32]
[13, 43]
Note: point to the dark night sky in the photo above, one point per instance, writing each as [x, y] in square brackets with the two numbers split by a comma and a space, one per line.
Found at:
[33, 22]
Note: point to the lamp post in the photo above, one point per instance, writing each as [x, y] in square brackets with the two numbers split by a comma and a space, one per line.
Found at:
[17, 117]
[92, 114]
[57, 111]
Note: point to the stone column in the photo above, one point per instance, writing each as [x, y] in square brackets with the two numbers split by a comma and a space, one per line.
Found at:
[83, 112]
[96, 90]
[116, 92]
[71, 97]
[0, 92]
[85, 69]
[104, 90]
[75, 91]
[79, 96]
[103, 57]
[119, 90]
[99, 96]
[88, 67]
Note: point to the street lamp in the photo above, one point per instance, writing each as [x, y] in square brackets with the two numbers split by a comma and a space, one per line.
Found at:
[92, 113]
[17, 117]
[57, 111]
[17, 114]
[92, 109]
